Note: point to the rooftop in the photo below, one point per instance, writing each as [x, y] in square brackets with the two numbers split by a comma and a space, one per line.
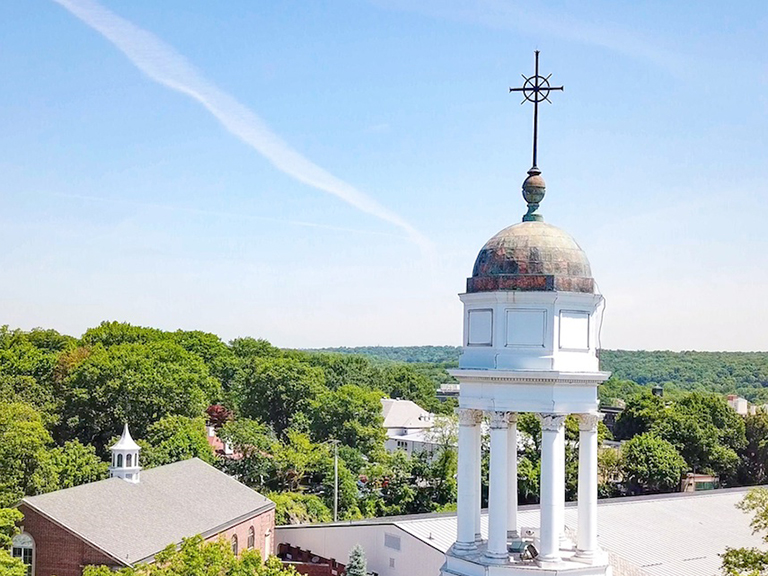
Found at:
[660, 535]
[132, 522]
[404, 414]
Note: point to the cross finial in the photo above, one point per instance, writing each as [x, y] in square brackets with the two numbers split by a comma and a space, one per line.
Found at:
[535, 89]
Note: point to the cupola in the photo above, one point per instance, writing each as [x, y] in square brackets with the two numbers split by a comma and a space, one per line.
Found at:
[125, 458]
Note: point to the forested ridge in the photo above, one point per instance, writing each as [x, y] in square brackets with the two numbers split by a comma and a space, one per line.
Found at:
[743, 373]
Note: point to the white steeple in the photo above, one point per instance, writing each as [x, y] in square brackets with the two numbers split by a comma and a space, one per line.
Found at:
[532, 318]
[125, 458]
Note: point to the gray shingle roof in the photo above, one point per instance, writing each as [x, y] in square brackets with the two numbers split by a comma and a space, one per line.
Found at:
[132, 522]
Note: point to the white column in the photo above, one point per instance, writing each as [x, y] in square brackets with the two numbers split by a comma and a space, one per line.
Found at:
[559, 491]
[469, 426]
[512, 527]
[587, 537]
[477, 476]
[498, 489]
[552, 482]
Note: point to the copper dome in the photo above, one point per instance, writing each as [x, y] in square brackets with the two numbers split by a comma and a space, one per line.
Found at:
[532, 257]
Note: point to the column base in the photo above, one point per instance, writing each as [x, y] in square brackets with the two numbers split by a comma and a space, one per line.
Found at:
[590, 557]
[463, 548]
[496, 557]
[549, 562]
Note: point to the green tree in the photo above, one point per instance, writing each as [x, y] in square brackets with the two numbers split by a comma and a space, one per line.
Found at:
[344, 369]
[134, 382]
[253, 441]
[27, 366]
[277, 390]
[615, 392]
[299, 508]
[753, 467]
[609, 471]
[76, 464]
[357, 566]
[175, 438]
[9, 520]
[651, 464]
[196, 557]
[352, 415]
[24, 457]
[245, 348]
[296, 458]
[750, 561]
[639, 416]
[402, 381]
[113, 333]
[220, 359]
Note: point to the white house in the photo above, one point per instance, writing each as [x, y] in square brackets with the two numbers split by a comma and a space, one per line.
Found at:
[407, 425]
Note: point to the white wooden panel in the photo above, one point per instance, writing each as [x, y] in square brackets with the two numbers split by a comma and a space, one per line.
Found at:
[526, 328]
[480, 327]
[574, 330]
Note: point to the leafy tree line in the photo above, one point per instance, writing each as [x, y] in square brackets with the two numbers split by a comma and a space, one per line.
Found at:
[63, 401]
[195, 557]
[448, 355]
[695, 432]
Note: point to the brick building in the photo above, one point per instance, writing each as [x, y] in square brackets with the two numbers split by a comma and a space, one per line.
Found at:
[126, 519]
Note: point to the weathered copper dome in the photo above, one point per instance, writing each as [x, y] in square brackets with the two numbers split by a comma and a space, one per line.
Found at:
[533, 257]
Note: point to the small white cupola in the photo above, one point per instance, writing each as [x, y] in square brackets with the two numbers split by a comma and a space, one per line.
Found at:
[125, 458]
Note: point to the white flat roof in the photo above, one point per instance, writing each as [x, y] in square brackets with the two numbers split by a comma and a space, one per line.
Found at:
[661, 535]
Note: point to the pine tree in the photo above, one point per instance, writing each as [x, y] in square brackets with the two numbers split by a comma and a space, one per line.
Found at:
[357, 565]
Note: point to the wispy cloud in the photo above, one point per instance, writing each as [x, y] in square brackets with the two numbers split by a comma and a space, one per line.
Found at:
[164, 65]
[223, 214]
[535, 18]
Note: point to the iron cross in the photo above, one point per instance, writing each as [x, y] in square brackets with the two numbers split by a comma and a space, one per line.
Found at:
[536, 89]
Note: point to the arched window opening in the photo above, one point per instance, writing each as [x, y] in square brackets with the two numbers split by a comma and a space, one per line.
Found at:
[119, 460]
[136, 459]
[24, 549]
[251, 538]
[234, 544]
[128, 459]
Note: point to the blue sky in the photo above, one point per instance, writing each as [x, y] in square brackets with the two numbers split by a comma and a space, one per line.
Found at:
[124, 198]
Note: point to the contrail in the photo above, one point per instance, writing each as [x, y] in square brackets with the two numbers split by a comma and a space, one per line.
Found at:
[167, 67]
[218, 213]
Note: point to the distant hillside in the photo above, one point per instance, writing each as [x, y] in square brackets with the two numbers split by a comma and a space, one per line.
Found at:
[745, 373]
[410, 354]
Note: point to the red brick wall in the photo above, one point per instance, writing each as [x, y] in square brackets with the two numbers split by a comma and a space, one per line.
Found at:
[263, 525]
[58, 552]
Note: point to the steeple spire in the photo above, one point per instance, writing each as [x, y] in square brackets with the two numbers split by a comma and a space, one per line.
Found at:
[535, 89]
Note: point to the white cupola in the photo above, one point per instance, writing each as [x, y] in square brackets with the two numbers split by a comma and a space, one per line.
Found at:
[532, 319]
[125, 458]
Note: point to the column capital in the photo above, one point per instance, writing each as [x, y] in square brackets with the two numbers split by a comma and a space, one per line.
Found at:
[469, 416]
[501, 419]
[588, 422]
[551, 422]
